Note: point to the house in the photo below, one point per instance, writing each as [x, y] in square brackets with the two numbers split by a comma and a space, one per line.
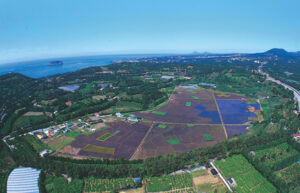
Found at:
[56, 131]
[213, 172]
[167, 77]
[296, 137]
[137, 180]
[133, 119]
[119, 115]
[68, 124]
[44, 153]
[103, 85]
[231, 182]
[67, 130]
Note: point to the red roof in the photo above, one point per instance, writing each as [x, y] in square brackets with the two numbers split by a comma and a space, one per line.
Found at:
[88, 120]
[296, 135]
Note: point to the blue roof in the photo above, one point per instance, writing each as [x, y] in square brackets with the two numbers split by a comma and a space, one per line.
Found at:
[23, 180]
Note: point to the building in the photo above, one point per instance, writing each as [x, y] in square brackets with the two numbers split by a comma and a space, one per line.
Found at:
[213, 172]
[23, 180]
[44, 153]
[231, 182]
[296, 137]
[133, 119]
[167, 77]
[119, 115]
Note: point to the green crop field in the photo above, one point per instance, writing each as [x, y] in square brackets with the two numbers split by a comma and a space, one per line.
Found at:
[190, 125]
[248, 179]
[159, 113]
[274, 155]
[208, 137]
[37, 145]
[73, 134]
[99, 149]
[107, 185]
[166, 183]
[195, 97]
[162, 126]
[106, 136]
[192, 91]
[188, 104]
[173, 141]
[60, 142]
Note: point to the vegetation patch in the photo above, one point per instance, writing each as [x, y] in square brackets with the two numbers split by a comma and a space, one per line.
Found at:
[190, 124]
[208, 137]
[73, 134]
[37, 145]
[106, 136]
[162, 126]
[60, 142]
[159, 113]
[188, 104]
[173, 141]
[195, 97]
[108, 185]
[55, 184]
[99, 149]
[276, 157]
[248, 179]
[167, 183]
[290, 175]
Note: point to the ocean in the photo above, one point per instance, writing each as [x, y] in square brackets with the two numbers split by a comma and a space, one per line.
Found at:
[40, 68]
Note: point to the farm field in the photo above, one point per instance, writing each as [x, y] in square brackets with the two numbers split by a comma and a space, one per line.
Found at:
[237, 111]
[123, 137]
[178, 138]
[59, 143]
[107, 185]
[204, 181]
[186, 107]
[290, 175]
[167, 183]
[248, 179]
[189, 120]
[234, 130]
[272, 156]
[99, 149]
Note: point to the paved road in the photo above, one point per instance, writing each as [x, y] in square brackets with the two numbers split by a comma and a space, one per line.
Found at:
[296, 93]
[223, 179]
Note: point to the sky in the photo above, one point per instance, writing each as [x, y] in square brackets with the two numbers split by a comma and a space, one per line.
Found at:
[34, 29]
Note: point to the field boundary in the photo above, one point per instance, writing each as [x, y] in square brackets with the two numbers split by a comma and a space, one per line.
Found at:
[142, 142]
[220, 115]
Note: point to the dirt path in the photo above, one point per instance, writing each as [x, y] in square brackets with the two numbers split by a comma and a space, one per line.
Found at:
[138, 149]
[223, 125]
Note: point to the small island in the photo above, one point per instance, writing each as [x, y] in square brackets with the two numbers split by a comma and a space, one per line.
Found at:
[55, 63]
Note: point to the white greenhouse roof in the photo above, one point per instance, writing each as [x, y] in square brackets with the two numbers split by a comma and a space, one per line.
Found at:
[23, 180]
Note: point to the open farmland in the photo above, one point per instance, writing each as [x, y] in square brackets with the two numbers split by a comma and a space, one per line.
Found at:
[186, 107]
[291, 176]
[237, 111]
[178, 182]
[271, 157]
[121, 136]
[107, 185]
[178, 138]
[204, 181]
[248, 179]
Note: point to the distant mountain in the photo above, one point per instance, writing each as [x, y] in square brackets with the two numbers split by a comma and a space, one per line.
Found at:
[277, 51]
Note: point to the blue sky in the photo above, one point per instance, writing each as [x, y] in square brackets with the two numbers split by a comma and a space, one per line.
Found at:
[32, 29]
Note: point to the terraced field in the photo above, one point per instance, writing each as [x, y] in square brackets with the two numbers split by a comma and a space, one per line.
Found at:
[248, 179]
